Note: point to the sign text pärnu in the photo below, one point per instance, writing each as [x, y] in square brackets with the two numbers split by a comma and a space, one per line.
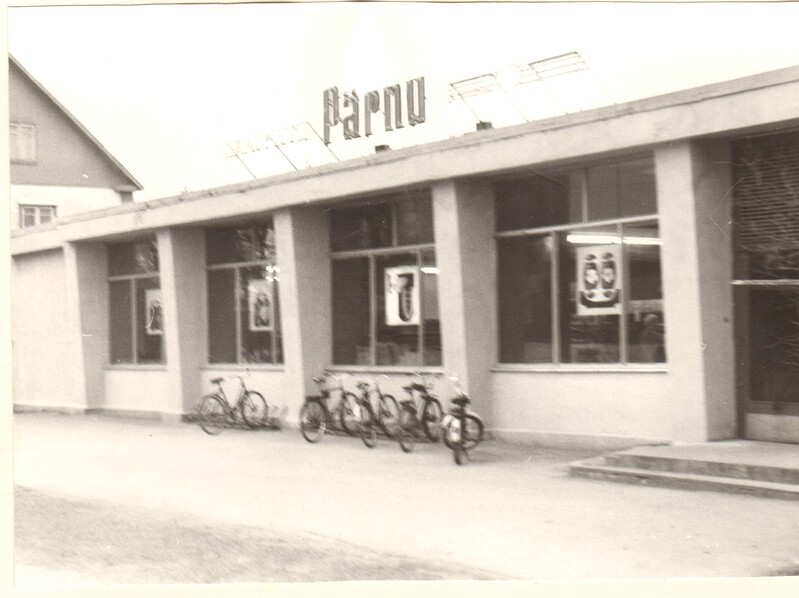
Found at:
[389, 102]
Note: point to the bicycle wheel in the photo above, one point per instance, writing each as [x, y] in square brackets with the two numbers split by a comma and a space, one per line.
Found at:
[253, 409]
[348, 413]
[406, 432]
[212, 414]
[368, 431]
[388, 414]
[431, 419]
[312, 421]
[450, 431]
[472, 431]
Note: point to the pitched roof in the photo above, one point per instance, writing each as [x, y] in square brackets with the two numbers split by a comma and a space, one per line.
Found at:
[77, 123]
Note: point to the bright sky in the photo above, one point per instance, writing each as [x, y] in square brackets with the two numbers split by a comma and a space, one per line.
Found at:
[164, 88]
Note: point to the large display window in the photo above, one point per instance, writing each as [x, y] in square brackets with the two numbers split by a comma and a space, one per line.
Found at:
[385, 283]
[136, 316]
[243, 300]
[579, 275]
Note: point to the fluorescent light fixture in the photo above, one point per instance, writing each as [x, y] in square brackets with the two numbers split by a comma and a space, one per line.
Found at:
[600, 239]
[592, 239]
[430, 270]
[643, 241]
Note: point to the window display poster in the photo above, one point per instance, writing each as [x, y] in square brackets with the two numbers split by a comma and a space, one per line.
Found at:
[402, 296]
[259, 301]
[153, 312]
[598, 276]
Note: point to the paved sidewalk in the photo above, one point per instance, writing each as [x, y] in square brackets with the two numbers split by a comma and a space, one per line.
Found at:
[512, 511]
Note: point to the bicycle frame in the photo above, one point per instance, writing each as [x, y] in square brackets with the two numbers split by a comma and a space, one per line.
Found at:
[326, 392]
[249, 405]
[233, 408]
[366, 395]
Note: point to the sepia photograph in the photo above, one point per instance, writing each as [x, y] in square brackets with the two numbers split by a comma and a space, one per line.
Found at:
[386, 298]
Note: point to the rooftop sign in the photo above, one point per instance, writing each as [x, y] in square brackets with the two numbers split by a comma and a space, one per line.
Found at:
[391, 109]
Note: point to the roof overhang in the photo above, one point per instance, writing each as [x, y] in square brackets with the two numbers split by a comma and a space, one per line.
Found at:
[759, 103]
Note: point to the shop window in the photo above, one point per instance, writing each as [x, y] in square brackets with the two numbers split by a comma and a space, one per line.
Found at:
[34, 215]
[525, 299]
[136, 308]
[243, 299]
[601, 192]
[621, 190]
[22, 143]
[536, 201]
[581, 293]
[385, 298]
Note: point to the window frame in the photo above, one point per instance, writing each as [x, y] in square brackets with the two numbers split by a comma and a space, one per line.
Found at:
[372, 255]
[133, 279]
[237, 268]
[22, 143]
[37, 214]
[552, 232]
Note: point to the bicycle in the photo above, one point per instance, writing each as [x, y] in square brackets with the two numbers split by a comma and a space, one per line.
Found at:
[214, 412]
[316, 416]
[410, 426]
[367, 416]
[462, 429]
[385, 410]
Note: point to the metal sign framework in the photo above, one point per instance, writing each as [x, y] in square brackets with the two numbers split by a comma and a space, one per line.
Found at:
[539, 71]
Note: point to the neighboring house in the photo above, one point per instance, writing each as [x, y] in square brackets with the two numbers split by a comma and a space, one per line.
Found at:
[58, 168]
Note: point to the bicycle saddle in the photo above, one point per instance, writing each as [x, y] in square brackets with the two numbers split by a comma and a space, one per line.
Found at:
[415, 386]
[461, 401]
[216, 380]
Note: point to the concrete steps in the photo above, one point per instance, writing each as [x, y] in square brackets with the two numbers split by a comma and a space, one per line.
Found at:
[758, 469]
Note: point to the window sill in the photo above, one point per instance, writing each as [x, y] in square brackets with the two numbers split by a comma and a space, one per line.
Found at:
[387, 369]
[238, 367]
[578, 368]
[158, 367]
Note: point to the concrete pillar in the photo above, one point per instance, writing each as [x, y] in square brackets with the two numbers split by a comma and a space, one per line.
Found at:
[86, 269]
[181, 254]
[302, 239]
[694, 202]
[463, 212]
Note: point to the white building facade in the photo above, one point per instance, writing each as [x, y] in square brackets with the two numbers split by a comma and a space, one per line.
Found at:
[609, 278]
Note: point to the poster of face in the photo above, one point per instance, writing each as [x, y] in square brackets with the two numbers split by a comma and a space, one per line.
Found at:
[598, 276]
[153, 312]
[259, 298]
[402, 296]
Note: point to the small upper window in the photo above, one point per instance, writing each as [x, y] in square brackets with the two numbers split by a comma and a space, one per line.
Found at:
[600, 192]
[390, 221]
[23, 143]
[35, 215]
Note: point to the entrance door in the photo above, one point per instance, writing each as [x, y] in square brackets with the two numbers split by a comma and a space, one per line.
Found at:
[766, 289]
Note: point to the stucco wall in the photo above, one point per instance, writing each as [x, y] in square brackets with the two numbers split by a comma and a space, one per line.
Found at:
[142, 390]
[604, 409]
[693, 182]
[183, 284]
[42, 343]
[464, 227]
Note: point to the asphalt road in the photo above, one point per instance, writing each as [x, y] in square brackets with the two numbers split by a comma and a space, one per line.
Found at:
[104, 500]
